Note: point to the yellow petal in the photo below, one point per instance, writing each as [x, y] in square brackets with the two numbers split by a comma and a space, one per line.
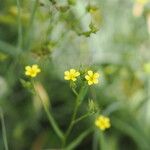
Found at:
[90, 82]
[66, 72]
[77, 73]
[27, 68]
[107, 119]
[90, 73]
[72, 71]
[95, 81]
[74, 79]
[27, 73]
[87, 77]
[97, 123]
[67, 78]
[38, 70]
[33, 75]
[34, 66]
[96, 75]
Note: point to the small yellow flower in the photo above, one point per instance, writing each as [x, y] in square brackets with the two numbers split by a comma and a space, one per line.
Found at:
[92, 77]
[32, 71]
[102, 122]
[72, 74]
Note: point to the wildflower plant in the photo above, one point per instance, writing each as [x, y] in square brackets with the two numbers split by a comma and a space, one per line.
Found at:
[71, 75]
[75, 90]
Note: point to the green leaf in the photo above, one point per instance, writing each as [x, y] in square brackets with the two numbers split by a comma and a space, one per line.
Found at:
[82, 94]
[26, 84]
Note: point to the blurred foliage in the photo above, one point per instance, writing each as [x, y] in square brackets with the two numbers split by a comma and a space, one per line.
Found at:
[113, 37]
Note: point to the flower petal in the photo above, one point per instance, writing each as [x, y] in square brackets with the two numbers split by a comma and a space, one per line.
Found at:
[33, 74]
[96, 75]
[27, 68]
[90, 73]
[67, 78]
[35, 67]
[27, 73]
[87, 77]
[38, 70]
[74, 79]
[72, 71]
[77, 73]
[90, 82]
[95, 81]
[66, 72]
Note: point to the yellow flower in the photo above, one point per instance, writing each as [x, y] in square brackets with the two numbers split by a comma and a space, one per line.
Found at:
[147, 68]
[102, 122]
[32, 71]
[92, 77]
[72, 74]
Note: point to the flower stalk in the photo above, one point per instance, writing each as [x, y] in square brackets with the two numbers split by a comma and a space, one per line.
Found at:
[49, 115]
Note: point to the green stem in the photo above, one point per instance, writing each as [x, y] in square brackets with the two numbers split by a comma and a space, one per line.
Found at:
[102, 141]
[82, 117]
[78, 102]
[29, 32]
[3, 130]
[50, 117]
[95, 142]
[78, 140]
[72, 121]
[74, 91]
[19, 25]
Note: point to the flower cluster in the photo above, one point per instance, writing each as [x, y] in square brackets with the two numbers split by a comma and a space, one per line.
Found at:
[32, 71]
[91, 77]
[103, 122]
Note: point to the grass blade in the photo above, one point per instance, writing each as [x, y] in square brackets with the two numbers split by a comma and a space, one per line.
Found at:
[3, 130]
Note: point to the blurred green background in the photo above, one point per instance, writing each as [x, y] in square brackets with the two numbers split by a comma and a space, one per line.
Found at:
[111, 36]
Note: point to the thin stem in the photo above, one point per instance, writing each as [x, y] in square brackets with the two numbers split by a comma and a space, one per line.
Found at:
[72, 122]
[74, 91]
[78, 102]
[49, 115]
[29, 32]
[95, 142]
[74, 114]
[102, 141]
[3, 130]
[82, 117]
[19, 25]
[79, 139]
